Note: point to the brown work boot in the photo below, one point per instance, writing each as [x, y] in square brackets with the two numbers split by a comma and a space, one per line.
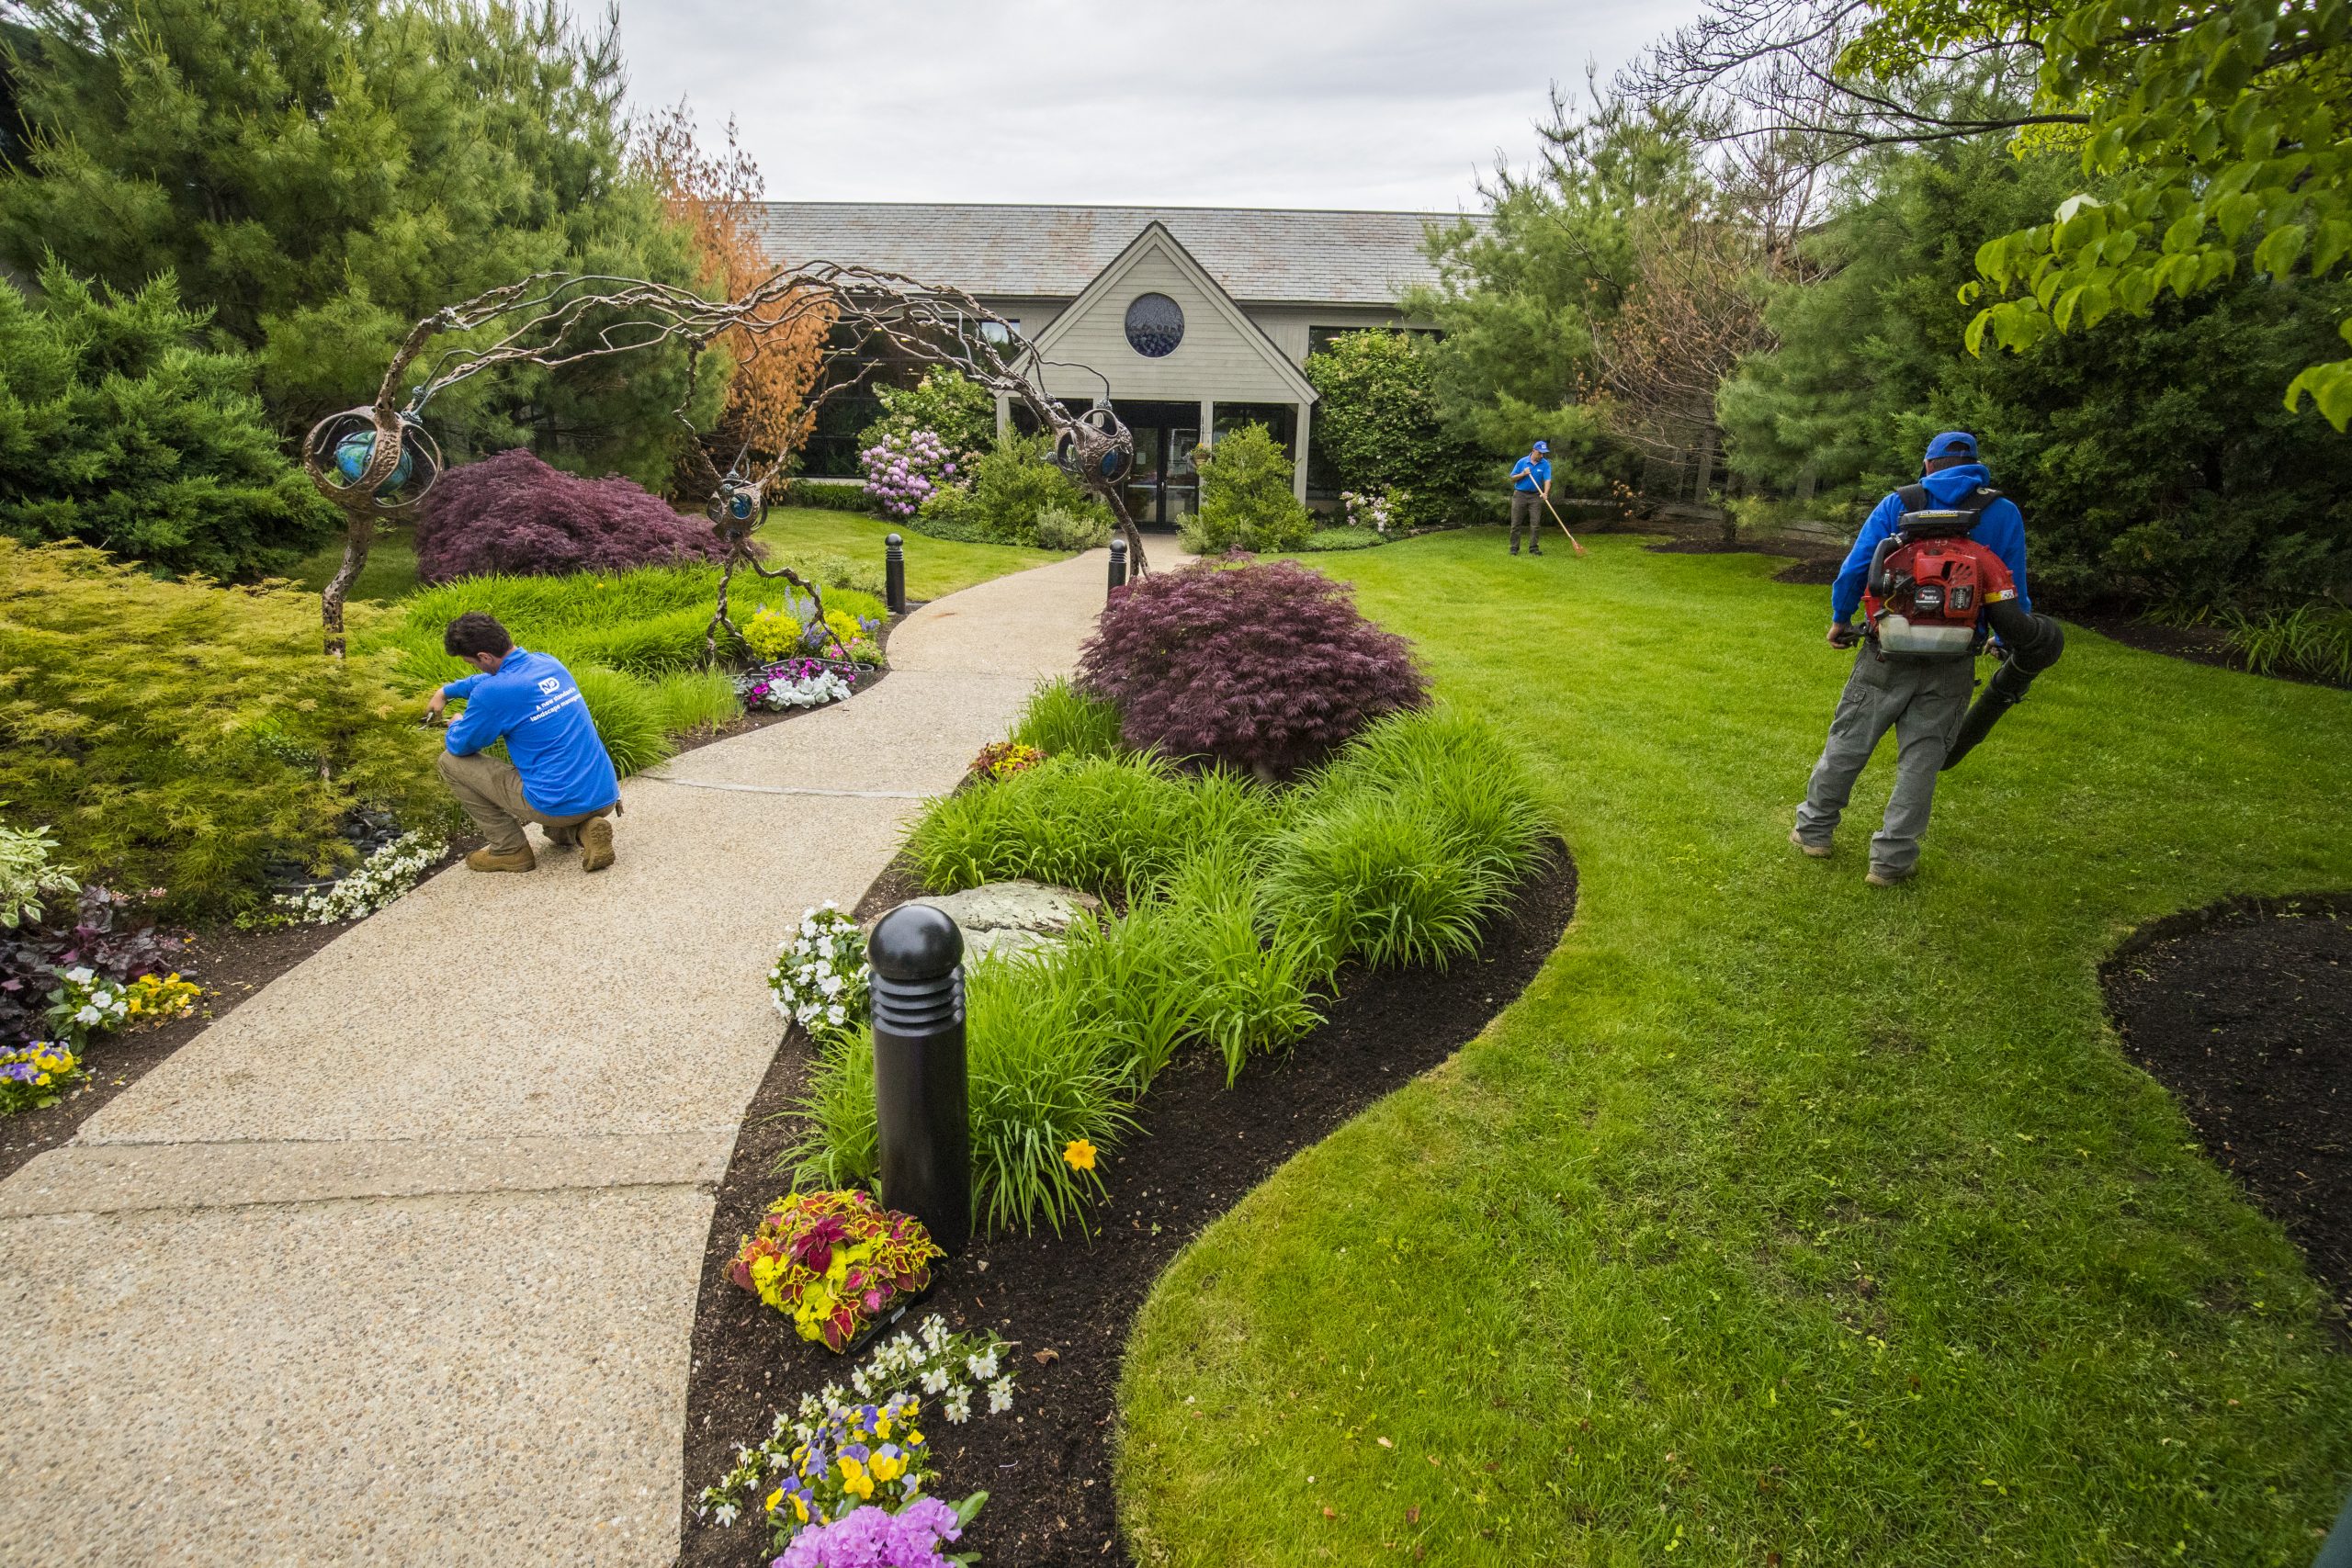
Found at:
[595, 845]
[503, 860]
[1818, 851]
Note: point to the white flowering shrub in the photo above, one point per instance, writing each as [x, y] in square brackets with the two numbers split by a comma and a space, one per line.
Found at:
[85, 1003]
[820, 976]
[375, 883]
[1368, 509]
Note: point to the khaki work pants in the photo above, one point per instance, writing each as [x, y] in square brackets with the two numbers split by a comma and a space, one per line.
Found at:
[491, 792]
[1923, 703]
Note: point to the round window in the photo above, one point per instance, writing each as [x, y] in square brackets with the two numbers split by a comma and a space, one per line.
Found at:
[1155, 325]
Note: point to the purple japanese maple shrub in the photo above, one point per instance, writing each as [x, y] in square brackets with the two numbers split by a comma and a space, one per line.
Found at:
[1268, 667]
[512, 513]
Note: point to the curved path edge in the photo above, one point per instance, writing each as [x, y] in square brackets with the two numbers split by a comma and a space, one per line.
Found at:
[398, 1261]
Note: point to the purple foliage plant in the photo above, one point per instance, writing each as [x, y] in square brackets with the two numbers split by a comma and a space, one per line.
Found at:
[512, 513]
[1265, 667]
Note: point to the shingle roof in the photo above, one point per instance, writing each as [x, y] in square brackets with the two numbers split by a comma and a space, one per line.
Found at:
[1261, 253]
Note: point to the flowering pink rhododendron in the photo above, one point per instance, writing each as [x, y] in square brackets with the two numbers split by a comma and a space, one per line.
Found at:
[901, 470]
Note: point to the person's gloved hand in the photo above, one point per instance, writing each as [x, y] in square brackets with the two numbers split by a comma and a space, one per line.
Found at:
[1843, 635]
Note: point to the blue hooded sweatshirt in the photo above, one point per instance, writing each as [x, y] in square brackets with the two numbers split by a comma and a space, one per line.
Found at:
[2001, 530]
[534, 704]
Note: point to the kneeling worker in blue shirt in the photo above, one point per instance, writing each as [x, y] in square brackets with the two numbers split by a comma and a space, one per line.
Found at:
[560, 778]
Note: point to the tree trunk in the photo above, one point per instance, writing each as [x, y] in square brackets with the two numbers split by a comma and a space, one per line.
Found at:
[360, 535]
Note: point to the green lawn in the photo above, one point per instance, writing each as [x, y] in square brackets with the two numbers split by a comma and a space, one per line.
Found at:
[1784, 1219]
[935, 568]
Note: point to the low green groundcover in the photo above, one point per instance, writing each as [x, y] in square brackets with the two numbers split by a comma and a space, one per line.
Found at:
[1782, 1218]
[1241, 902]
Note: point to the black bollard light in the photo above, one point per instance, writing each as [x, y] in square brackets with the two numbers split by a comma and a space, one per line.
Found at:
[1118, 562]
[894, 574]
[920, 1103]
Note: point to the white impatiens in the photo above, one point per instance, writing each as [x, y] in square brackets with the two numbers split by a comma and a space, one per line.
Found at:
[378, 880]
[819, 979]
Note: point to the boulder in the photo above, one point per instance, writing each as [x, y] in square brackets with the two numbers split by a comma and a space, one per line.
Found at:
[1012, 917]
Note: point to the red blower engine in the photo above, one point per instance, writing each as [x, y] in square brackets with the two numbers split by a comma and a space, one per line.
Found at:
[1929, 584]
[1929, 581]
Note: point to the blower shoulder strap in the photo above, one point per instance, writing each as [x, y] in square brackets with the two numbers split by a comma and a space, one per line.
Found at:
[1915, 498]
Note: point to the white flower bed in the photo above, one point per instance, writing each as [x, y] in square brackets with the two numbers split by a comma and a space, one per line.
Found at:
[819, 979]
[376, 882]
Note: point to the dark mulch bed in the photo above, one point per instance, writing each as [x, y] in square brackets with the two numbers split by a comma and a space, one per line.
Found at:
[230, 964]
[2242, 1012]
[1047, 1468]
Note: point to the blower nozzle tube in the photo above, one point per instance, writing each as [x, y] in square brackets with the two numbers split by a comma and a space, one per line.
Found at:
[2034, 643]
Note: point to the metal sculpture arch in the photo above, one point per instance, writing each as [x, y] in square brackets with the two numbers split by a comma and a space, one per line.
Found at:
[376, 462]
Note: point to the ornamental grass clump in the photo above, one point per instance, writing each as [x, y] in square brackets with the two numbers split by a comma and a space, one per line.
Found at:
[1268, 667]
[627, 720]
[1062, 721]
[1405, 845]
[512, 513]
[1102, 824]
[833, 1263]
[1046, 1068]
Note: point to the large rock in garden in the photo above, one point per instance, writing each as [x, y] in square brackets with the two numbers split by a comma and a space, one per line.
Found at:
[1012, 917]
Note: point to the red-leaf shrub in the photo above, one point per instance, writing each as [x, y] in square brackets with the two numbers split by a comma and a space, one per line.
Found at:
[512, 513]
[1265, 667]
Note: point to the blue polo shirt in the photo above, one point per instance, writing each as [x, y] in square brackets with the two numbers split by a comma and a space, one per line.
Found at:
[1531, 473]
[533, 704]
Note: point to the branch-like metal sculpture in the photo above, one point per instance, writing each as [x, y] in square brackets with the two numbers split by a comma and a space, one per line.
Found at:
[376, 463]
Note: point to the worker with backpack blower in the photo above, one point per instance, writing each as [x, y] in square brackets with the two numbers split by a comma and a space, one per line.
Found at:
[1938, 566]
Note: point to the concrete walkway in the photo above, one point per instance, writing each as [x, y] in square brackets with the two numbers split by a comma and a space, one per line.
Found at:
[397, 1263]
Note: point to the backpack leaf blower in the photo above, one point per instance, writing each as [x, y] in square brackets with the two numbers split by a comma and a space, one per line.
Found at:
[1931, 592]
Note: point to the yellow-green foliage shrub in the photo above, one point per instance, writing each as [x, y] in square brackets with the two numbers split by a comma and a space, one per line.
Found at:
[182, 736]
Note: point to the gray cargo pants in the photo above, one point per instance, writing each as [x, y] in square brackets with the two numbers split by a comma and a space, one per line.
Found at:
[1923, 703]
[1527, 510]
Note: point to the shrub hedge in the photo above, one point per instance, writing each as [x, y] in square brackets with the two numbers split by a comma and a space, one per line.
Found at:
[512, 514]
[182, 736]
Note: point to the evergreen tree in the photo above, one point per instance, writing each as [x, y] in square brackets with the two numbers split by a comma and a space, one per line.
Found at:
[322, 173]
[2154, 458]
[1523, 297]
[121, 428]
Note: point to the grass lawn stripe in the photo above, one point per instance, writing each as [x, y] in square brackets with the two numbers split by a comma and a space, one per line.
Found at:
[1780, 1215]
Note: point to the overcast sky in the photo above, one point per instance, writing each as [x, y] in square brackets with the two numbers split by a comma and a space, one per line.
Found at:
[1281, 103]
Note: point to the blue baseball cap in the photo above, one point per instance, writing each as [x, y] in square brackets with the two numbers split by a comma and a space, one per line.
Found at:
[1953, 444]
[1542, 445]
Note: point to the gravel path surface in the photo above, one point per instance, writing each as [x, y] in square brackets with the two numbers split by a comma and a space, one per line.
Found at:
[397, 1263]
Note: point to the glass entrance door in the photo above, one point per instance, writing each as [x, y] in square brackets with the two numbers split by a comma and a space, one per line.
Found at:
[1144, 483]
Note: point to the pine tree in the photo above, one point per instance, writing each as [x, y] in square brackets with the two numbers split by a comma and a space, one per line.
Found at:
[121, 428]
[323, 173]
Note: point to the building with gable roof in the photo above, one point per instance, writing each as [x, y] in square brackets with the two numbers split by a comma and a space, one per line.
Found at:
[1198, 318]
